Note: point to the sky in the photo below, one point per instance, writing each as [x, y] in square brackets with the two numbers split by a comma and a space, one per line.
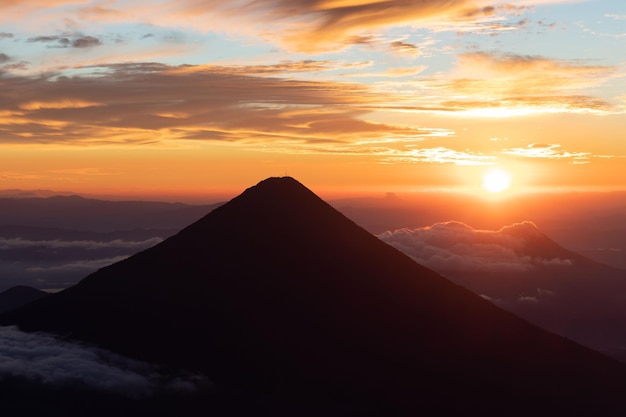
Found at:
[191, 98]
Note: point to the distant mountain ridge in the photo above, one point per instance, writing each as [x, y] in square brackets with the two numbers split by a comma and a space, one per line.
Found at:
[18, 193]
[80, 213]
[282, 300]
[524, 271]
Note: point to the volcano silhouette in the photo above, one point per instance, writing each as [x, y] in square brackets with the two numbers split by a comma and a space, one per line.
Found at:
[279, 298]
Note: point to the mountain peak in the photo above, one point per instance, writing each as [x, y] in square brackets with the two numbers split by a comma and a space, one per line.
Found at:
[279, 181]
[285, 189]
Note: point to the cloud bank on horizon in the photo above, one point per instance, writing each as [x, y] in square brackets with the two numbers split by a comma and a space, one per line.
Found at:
[60, 263]
[455, 246]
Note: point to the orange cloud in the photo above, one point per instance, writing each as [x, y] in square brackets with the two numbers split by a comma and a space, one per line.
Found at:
[61, 104]
[284, 67]
[441, 155]
[300, 25]
[148, 103]
[507, 85]
[404, 48]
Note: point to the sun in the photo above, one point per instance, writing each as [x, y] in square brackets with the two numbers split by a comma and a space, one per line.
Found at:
[496, 180]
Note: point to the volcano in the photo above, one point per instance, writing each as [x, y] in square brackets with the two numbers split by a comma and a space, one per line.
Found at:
[293, 309]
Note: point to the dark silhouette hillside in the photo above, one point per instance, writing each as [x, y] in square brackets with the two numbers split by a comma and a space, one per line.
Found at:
[293, 309]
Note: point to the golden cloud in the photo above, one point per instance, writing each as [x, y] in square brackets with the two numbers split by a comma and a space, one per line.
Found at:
[146, 103]
[494, 85]
[548, 151]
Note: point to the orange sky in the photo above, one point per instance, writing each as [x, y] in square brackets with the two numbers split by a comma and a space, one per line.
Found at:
[189, 98]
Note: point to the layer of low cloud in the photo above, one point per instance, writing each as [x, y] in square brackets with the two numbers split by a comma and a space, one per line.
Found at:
[453, 246]
[79, 266]
[46, 359]
[19, 243]
[59, 263]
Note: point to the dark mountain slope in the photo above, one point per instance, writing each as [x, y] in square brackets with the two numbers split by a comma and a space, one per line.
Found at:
[281, 299]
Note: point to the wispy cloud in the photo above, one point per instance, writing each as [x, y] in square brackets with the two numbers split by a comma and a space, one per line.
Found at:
[299, 25]
[78, 266]
[492, 85]
[404, 48]
[528, 81]
[616, 16]
[438, 155]
[19, 243]
[307, 26]
[74, 41]
[551, 151]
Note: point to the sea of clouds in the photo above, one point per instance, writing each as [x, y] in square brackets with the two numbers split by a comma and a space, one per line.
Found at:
[50, 360]
[452, 246]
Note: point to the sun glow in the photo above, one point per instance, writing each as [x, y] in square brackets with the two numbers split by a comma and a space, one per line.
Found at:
[496, 180]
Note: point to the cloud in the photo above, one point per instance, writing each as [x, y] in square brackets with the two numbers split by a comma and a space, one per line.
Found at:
[152, 103]
[550, 151]
[44, 39]
[75, 41]
[284, 67]
[81, 266]
[19, 243]
[5, 35]
[532, 82]
[507, 85]
[438, 155]
[60, 263]
[49, 360]
[535, 297]
[86, 42]
[456, 246]
[315, 26]
[298, 25]
[390, 72]
[404, 48]
[4, 58]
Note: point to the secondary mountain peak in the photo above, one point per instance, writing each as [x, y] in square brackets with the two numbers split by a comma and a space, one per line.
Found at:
[526, 229]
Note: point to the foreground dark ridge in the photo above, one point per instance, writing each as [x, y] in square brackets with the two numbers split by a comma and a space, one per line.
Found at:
[281, 299]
